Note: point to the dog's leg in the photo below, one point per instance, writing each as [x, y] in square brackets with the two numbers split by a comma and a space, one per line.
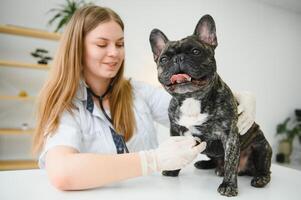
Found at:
[173, 173]
[246, 163]
[262, 152]
[217, 161]
[175, 130]
[231, 146]
[206, 164]
[220, 168]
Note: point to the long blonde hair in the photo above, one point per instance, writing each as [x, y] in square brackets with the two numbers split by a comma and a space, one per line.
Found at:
[60, 88]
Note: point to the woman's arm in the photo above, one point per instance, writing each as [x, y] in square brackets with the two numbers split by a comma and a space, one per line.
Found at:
[69, 170]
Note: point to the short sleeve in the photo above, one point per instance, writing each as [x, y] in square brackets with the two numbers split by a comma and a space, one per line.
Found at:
[156, 98]
[68, 134]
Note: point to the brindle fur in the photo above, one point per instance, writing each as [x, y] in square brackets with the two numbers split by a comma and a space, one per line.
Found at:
[230, 153]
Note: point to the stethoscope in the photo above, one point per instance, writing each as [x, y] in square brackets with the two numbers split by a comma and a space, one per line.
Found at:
[100, 98]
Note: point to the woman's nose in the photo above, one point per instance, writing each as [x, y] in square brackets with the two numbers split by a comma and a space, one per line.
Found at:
[113, 51]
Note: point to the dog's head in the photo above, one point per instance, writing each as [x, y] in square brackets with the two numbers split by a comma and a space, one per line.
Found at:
[187, 66]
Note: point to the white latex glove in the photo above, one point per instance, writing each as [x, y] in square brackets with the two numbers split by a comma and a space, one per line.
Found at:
[246, 111]
[174, 153]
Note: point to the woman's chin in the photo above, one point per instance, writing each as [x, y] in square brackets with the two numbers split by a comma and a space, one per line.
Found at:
[110, 74]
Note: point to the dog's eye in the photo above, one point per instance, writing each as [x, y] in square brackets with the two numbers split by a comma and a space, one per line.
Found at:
[163, 60]
[196, 51]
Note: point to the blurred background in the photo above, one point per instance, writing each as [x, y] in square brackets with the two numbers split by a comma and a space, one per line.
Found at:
[259, 51]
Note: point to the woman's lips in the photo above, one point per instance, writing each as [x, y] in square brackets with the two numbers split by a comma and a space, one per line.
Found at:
[111, 65]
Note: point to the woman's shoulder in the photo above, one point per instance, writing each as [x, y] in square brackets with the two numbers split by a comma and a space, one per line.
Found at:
[141, 86]
[71, 116]
[148, 92]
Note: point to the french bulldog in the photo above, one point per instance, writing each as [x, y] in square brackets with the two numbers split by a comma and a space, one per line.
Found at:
[203, 105]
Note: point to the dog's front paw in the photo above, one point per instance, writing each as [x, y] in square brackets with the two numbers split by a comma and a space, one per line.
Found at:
[173, 173]
[227, 189]
[260, 181]
[205, 164]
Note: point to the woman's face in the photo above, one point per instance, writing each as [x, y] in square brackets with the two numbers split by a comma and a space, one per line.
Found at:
[103, 51]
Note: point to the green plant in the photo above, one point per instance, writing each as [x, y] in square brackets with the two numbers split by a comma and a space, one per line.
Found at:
[65, 11]
[289, 128]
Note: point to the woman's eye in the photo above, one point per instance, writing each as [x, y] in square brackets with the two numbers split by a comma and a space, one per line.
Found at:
[120, 44]
[163, 60]
[101, 45]
[196, 51]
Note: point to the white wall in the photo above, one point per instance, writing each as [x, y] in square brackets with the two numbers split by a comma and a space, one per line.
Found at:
[259, 50]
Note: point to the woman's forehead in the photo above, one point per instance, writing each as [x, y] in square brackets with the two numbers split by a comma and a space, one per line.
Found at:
[110, 30]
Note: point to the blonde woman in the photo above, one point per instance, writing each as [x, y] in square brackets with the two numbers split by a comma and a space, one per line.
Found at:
[94, 126]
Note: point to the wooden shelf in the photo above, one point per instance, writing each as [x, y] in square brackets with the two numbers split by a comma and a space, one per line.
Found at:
[18, 164]
[28, 32]
[18, 98]
[7, 63]
[8, 131]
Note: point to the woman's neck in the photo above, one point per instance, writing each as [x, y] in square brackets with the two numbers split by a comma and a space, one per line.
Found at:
[98, 85]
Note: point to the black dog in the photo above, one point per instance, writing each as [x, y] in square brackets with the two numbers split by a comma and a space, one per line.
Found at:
[204, 106]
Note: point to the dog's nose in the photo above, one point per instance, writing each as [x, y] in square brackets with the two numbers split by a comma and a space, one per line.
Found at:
[178, 58]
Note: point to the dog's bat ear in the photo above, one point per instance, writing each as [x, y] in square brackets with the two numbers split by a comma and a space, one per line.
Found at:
[206, 31]
[157, 41]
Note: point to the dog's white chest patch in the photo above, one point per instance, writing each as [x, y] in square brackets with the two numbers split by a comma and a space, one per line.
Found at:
[190, 113]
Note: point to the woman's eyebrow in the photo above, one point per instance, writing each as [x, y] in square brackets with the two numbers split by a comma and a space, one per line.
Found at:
[102, 38]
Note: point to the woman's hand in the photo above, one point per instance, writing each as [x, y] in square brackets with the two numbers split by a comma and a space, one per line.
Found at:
[174, 153]
[246, 111]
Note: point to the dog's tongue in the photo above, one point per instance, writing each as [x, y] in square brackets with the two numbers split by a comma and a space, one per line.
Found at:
[180, 78]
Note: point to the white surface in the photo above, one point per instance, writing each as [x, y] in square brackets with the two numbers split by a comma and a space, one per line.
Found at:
[191, 184]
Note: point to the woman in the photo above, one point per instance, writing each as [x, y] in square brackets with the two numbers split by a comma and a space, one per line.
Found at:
[89, 115]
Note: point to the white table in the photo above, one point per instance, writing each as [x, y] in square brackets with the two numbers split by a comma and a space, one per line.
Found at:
[191, 184]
